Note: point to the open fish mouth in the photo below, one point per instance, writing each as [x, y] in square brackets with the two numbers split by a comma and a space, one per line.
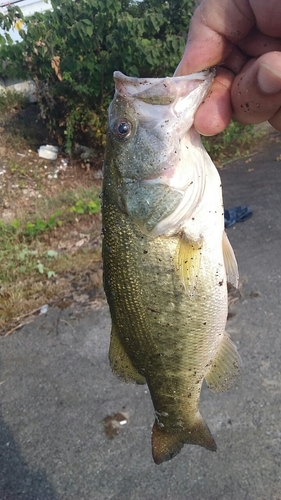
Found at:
[162, 90]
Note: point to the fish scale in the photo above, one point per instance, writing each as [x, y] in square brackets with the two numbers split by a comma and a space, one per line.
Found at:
[166, 270]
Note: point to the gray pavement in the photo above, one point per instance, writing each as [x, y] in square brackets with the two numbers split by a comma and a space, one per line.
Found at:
[56, 388]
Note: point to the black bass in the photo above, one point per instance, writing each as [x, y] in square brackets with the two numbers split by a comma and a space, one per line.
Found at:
[167, 259]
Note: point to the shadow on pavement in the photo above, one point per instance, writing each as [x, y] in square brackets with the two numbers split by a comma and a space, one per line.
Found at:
[17, 481]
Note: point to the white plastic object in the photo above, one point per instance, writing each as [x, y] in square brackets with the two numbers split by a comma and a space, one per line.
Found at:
[44, 309]
[48, 152]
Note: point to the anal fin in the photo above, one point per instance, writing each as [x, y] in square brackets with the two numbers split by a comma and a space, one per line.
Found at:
[120, 362]
[225, 371]
[167, 444]
[231, 268]
[188, 259]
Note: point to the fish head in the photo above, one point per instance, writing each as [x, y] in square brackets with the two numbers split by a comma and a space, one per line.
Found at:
[149, 121]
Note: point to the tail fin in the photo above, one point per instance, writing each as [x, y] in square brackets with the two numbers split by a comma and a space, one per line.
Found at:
[166, 444]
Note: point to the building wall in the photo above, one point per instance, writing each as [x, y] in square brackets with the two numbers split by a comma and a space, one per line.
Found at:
[27, 88]
[28, 7]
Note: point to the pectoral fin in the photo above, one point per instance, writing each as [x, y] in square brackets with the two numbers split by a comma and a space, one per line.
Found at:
[230, 263]
[120, 363]
[188, 259]
[225, 371]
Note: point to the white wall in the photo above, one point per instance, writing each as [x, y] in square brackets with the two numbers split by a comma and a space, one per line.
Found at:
[28, 7]
[27, 88]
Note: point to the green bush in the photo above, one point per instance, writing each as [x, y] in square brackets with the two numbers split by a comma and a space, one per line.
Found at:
[235, 141]
[11, 99]
[72, 51]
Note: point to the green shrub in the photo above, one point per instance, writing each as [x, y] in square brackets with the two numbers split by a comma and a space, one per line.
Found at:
[11, 99]
[235, 141]
[72, 51]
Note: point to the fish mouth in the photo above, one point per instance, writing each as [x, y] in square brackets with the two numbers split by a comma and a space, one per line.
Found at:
[162, 90]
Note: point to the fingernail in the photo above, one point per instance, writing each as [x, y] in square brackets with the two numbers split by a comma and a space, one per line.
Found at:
[269, 79]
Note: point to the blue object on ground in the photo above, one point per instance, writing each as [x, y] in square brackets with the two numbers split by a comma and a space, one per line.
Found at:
[237, 214]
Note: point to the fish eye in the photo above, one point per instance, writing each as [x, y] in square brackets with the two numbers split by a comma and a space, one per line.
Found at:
[122, 129]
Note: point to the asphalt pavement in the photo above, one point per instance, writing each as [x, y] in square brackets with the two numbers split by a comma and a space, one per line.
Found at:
[56, 387]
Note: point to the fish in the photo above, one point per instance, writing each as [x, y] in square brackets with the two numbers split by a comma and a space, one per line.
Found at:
[166, 257]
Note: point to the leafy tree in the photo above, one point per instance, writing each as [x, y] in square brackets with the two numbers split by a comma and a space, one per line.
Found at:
[72, 51]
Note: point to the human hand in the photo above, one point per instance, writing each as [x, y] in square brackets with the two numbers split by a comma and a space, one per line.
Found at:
[242, 37]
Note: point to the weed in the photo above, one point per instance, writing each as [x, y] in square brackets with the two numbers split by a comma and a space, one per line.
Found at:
[83, 207]
[12, 100]
[23, 244]
[32, 229]
[43, 270]
[65, 200]
[235, 141]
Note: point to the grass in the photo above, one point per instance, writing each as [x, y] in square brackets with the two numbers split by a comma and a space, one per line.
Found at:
[234, 142]
[77, 274]
[49, 224]
[41, 255]
[12, 100]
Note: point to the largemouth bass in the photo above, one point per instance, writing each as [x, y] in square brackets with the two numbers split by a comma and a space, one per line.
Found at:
[166, 256]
